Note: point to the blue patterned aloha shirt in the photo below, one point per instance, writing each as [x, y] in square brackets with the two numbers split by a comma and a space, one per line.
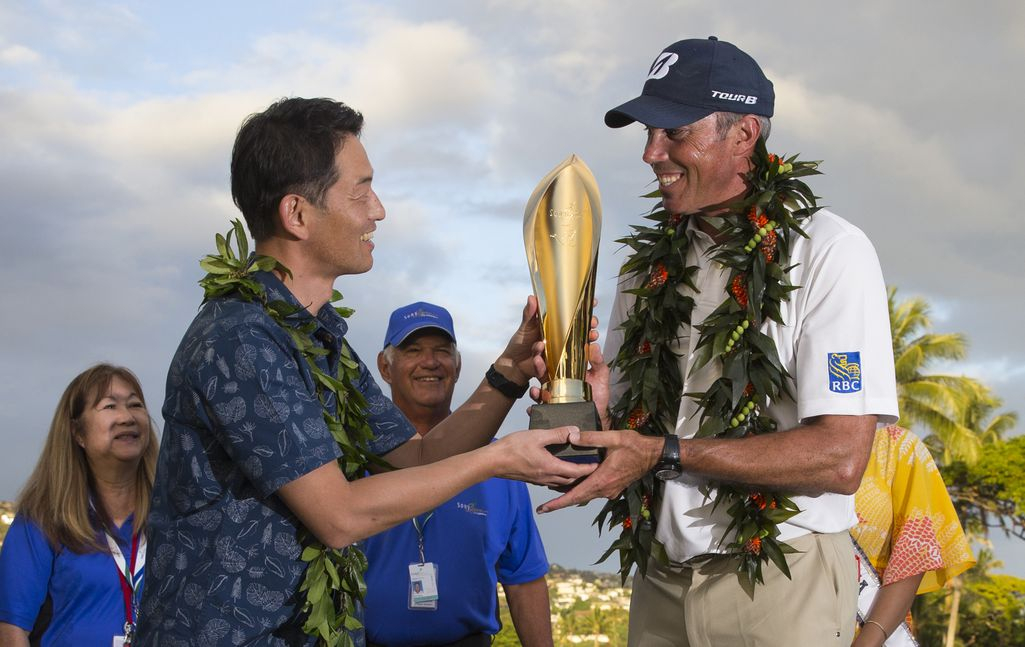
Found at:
[241, 419]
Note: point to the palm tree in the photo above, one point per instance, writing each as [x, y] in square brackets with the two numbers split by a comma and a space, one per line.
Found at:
[980, 416]
[980, 572]
[976, 502]
[934, 401]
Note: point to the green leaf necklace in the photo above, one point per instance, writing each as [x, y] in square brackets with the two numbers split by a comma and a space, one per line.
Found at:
[333, 583]
[756, 233]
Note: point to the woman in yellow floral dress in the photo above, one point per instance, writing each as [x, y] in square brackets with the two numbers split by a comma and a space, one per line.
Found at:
[909, 531]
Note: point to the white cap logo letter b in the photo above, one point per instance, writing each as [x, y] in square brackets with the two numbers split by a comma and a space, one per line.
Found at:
[661, 65]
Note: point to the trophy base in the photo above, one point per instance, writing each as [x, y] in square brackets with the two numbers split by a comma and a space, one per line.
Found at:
[583, 415]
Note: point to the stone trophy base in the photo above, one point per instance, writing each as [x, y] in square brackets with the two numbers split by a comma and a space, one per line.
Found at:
[583, 415]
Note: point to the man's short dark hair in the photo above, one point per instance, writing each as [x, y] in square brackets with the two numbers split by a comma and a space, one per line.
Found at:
[288, 148]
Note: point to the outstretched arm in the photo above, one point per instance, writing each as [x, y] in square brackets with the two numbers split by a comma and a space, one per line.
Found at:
[339, 513]
[827, 454]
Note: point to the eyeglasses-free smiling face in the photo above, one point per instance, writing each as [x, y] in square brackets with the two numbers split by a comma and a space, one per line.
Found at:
[116, 426]
[344, 224]
[423, 370]
[696, 169]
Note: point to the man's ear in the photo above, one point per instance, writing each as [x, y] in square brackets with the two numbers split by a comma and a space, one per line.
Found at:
[383, 367]
[744, 135]
[293, 217]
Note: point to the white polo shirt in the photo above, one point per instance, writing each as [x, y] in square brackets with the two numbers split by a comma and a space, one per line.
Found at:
[836, 345]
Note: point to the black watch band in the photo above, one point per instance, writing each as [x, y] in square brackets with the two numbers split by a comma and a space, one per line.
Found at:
[503, 385]
[669, 467]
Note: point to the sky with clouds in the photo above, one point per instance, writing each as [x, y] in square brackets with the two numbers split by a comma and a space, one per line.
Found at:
[117, 120]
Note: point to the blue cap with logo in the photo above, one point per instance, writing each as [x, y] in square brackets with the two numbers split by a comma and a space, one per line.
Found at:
[693, 78]
[417, 316]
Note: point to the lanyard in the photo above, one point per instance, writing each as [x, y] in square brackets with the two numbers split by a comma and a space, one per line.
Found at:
[419, 526]
[130, 575]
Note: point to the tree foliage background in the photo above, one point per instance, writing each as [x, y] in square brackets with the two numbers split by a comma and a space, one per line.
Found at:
[969, 436]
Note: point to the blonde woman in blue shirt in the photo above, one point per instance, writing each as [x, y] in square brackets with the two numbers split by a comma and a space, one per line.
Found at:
[72, 563]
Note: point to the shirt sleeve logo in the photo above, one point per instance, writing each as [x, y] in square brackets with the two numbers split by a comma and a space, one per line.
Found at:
[844, 372]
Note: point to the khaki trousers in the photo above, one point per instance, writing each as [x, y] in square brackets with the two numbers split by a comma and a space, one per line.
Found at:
[704, 604]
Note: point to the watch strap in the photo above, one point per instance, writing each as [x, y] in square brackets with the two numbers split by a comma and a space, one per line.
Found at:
[669, 466]
[671, 451]
[503, 385]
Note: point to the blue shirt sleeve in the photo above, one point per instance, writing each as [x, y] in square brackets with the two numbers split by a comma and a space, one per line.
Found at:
[26, 563]
[523, 559]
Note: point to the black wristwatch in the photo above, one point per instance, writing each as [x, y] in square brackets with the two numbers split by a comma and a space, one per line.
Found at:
[668, 467]
[506, 387]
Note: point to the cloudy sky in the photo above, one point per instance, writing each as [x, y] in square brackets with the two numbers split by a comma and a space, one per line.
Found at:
[117, 119]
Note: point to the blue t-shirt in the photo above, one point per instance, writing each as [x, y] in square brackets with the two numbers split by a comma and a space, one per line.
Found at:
[485, 532]
[88, 605]
[241, 419]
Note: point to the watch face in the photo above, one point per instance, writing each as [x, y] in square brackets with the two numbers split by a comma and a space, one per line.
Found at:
[667, 473]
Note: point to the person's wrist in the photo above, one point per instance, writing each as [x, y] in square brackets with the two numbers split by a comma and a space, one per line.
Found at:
[654, 450]
[877, 627]
[510, 371]
[501, 383]
[668, 467]
[496, 458]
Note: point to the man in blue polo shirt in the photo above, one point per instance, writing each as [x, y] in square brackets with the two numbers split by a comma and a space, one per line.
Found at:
[483, 535]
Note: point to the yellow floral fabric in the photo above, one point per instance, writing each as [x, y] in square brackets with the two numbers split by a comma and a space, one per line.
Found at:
[906, 522]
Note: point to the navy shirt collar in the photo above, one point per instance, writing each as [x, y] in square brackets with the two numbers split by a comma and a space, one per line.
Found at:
[327, 316]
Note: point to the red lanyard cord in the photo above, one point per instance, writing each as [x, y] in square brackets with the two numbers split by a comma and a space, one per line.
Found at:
[128, 584]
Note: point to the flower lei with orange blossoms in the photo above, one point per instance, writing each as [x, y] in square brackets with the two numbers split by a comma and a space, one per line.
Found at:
[757, 233]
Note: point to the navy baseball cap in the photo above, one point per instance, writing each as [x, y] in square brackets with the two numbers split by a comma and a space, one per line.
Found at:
[693, 78]
[416, 316]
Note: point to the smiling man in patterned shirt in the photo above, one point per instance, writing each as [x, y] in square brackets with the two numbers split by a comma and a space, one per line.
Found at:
[246, 459]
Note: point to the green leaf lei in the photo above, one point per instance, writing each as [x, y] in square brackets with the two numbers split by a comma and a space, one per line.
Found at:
[333, 583]
[757, 232]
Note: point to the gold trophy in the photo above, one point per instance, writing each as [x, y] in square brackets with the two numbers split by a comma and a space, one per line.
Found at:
[561, 230]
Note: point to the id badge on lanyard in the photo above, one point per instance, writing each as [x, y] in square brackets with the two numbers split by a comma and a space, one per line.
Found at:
[129, 574]
[423, 575]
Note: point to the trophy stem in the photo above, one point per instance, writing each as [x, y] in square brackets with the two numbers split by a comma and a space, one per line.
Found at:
[568, 390]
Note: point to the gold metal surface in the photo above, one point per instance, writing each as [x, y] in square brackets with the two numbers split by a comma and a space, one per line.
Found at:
[561, 231]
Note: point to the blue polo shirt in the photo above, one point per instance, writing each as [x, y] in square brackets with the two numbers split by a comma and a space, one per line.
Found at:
[241, 418]
[88, 607]
[484, 534]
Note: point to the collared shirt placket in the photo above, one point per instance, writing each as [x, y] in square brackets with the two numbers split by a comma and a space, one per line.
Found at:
[711, 283]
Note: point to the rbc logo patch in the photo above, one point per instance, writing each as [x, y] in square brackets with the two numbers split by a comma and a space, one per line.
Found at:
[845, 372]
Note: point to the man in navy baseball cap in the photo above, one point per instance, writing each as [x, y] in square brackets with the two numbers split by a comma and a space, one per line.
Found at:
[693, 78]
[706, 106]
[704, 103]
